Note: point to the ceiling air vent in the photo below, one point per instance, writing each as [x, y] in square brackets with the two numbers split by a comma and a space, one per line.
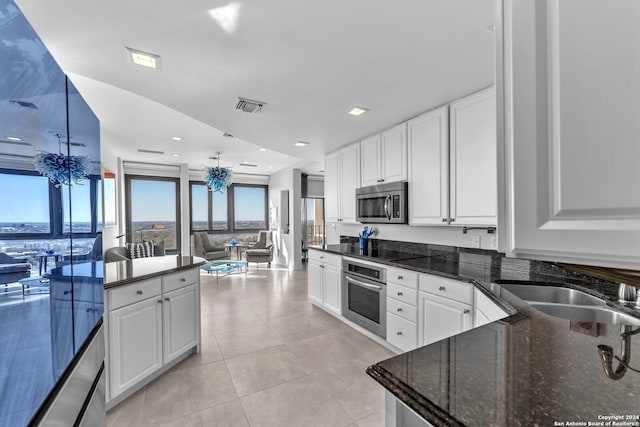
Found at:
[251, 165]
[213, 158]
[24, 104]
[4, 141]
[249, 106]
[227, 134]
[142, 150]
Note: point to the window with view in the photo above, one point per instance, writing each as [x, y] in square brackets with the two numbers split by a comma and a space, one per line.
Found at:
[15, 217]
[242, 207]
[152, 210]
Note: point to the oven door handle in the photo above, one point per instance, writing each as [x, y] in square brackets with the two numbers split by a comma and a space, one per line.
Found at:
[362, 284]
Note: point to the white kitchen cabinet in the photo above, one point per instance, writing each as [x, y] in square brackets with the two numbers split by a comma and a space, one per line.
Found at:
[135, 343]
[402, 310]
[570, 169]
[445, 308]
[179, 325]
[428, 142]
[473, 187]
[325, 278]
[384, 156]
[452, 163]
[150, 324]
[342, 177]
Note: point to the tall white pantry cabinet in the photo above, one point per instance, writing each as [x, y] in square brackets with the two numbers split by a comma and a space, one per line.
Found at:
[569, 109]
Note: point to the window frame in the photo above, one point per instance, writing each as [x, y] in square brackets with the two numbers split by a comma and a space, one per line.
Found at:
[128, 224]
[56, 210]
[230, 209]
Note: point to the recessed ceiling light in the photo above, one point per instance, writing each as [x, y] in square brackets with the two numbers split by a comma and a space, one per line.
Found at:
[176, 138]
[145, 59]
[358, 111]
[226, 16]
[175, 155]
[14, 138]
[262, 149]
[270, 167]
[301, 144]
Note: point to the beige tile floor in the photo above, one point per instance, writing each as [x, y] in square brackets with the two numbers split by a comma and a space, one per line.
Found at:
[269, 358]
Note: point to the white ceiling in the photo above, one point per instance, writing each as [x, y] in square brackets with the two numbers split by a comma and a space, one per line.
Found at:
[309, 61]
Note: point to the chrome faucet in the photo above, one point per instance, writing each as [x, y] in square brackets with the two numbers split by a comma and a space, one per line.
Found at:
[627, 294]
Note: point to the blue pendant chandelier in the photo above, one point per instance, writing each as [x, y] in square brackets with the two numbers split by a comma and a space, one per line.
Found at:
[61, 169]
[217, 178]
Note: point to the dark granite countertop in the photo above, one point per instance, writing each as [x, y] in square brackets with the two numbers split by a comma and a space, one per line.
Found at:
[528, 369]
[124, 272]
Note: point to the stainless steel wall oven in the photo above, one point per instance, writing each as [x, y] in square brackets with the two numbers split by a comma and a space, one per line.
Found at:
[364, 295]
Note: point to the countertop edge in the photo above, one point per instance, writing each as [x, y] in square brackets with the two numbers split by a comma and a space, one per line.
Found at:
[414, 400]
[198, 262]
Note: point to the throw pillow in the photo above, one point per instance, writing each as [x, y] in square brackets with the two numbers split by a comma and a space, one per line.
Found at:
[140, 250]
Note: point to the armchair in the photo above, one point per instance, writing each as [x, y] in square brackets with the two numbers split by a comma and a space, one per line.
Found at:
[262, 250]
[13, 269]
[204, 249]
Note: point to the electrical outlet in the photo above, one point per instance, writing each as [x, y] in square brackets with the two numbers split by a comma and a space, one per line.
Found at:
[333, 226]
[475, 241]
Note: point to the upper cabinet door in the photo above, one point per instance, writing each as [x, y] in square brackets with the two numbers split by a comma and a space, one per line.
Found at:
[393, 153]
[473, 193]
[331, 189]
[572, 110]
[428, 153]
[370, 160]
[350, 176]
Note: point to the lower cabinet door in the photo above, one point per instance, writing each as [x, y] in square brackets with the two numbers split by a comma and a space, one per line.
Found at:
[135, 337]
[401, 332]
[440, 318]
[180, 321]
[332, 277]
[315, 281]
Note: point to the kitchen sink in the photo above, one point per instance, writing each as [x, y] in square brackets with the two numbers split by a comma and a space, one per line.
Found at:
[583, 313]
[552, 294]
[570, 304]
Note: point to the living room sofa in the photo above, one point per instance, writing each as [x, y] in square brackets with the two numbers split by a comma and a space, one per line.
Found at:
[13, 269]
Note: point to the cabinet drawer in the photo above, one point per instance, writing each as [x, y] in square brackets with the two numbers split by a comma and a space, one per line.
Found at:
[139, 291]
[325, 258]
[402, 293]
[179, 280]
[401, 332]
[402, 277]
[402, 309]
[447, 288]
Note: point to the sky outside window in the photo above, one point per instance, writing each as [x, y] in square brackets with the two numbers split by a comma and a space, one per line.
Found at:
[14, 210]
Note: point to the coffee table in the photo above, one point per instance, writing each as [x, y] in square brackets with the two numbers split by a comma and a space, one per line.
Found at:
[225, 267]
[239, 246]
[34, 282]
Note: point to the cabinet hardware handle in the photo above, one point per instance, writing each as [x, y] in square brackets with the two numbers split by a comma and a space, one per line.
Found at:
[442, 288]
[400, 278]
[159, 301]
[67, 292]
[167, 299]
[89, 310]
[399, 294]
[444, 219]
[399, 333]
[399, 310]
[451, 220]
[321, 257]
[183, 279]
[139, 292]
[466, 311]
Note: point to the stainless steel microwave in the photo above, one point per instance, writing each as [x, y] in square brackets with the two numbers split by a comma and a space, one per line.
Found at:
[383, 204]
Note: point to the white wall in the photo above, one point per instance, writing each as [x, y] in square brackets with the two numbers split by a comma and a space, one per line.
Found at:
[287, 247]
[451, 236]
[109, 160]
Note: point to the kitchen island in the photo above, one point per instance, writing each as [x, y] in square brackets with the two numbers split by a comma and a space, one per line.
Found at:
[152, 319]
[524, 370]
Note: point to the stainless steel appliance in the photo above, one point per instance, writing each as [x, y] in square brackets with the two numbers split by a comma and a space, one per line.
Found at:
[364, 295]
[384, 203]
